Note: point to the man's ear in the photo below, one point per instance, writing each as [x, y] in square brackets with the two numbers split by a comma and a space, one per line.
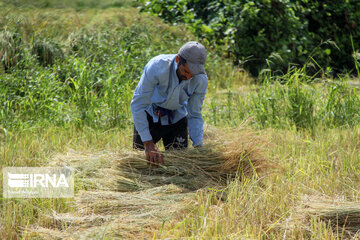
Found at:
[177, 59]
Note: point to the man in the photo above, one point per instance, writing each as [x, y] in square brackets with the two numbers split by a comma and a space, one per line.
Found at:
[168, 101]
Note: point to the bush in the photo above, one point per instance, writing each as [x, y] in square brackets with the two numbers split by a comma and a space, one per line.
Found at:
[298, 31]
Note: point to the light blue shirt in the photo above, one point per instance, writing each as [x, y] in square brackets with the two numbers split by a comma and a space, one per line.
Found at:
[159, 87]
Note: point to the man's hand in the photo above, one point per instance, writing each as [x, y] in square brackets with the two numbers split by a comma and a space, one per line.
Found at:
[153, 156]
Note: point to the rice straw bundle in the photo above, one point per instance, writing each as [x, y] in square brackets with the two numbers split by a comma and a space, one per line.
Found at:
[342, 217]
[194, 168]
[123, 197]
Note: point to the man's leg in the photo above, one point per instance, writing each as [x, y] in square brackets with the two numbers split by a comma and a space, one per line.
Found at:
[177, 136]
[155, 131]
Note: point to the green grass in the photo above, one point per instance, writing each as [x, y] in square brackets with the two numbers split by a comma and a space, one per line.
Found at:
[67, 73]
[295, 104]
[324, 165]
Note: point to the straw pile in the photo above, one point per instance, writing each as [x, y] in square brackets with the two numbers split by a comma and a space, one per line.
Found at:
[123, 197]
[212, 165]
[341, 216]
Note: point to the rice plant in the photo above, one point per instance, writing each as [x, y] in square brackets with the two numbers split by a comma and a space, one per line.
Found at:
[300, 107]
[10, 49]
[47, 52]
[356, 56]
[342, 105]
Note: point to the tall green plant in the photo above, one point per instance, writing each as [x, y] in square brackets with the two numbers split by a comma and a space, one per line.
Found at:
[300, 107]
[47, 52]
[342, 106]
[356, 56]
[10, 49]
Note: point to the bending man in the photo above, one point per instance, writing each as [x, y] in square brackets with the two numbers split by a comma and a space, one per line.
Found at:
[168, 101]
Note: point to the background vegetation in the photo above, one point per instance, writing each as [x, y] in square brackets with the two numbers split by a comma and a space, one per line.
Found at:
[78, 68]
[68, 70]
[273, 34]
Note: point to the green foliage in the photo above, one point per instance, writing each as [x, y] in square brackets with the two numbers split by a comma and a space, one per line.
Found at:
[78, 4]
[342, 106]
[299, 31]
[356, 56]
[267, 106]
[86, 80]
[10, 49]
[47, 52]
[300, 109]
[296, 104]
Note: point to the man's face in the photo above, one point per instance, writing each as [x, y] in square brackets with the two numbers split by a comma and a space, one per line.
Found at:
[183, 72]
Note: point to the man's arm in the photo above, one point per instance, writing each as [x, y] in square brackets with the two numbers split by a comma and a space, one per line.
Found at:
[194, 106]
[140, 102]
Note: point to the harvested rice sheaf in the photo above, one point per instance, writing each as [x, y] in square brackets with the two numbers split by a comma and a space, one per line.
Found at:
[122, 197]
[223, 157]
[340, 216]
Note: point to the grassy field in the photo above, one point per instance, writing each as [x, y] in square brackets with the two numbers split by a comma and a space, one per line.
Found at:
[67, 73]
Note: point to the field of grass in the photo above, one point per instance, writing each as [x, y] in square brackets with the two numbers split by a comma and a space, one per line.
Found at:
[67, 73]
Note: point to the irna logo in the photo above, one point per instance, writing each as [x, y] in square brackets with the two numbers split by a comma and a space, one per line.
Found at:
[36, 180]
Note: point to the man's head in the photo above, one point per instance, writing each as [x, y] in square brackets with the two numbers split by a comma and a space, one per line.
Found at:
[190, 59]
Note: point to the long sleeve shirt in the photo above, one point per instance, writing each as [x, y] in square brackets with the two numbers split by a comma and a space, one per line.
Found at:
[159, 86]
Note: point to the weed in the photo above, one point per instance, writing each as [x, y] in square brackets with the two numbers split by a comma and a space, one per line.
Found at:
[47, 52]
[10, 49]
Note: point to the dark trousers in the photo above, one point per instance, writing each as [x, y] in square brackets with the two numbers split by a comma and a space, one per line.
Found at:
[174, 136]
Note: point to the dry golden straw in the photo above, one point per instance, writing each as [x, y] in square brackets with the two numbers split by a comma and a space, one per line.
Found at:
[343, 217]
[221, 159]
[123, 197]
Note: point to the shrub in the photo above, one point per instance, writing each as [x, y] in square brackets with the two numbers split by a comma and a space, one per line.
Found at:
[251, 31]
